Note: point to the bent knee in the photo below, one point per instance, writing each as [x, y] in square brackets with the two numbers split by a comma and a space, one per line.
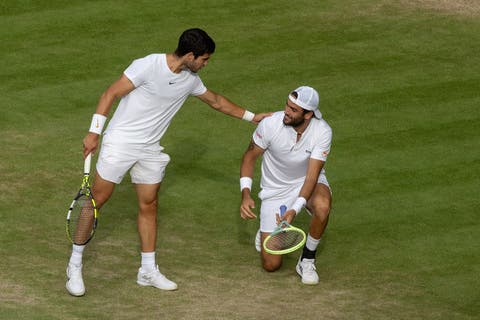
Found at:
[271, 266]
[320, 209]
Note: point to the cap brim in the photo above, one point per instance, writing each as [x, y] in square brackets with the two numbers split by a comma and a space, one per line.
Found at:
[299, 103]
[317, 114]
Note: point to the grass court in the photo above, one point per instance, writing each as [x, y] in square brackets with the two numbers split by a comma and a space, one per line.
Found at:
[399, 83]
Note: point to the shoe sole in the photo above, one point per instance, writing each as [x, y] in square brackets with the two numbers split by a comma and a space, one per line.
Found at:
[309, 283]
[258, 246]
[147, 284]
[79, 294]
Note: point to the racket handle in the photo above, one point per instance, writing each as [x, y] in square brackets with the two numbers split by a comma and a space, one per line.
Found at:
[86, 167]
[283, 209]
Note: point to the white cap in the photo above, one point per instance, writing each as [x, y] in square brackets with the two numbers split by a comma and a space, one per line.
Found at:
[307, 99]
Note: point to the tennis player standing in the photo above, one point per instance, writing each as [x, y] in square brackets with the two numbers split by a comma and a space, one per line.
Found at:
[152, 89]
[294, 145]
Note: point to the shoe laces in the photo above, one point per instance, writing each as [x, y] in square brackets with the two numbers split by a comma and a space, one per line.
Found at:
[74, 267]
[155, 273]
[74, 271]
[308, 266]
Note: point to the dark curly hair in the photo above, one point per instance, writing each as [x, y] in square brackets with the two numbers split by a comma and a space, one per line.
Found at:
[195, 40]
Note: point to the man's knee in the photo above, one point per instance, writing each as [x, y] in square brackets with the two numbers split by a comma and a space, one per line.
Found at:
[271, 266]
[320, 208]
[147, 197]
[102, 190]
[148, 206]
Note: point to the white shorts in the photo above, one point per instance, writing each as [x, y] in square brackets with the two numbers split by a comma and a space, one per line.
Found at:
[270, 207]
[146, 163]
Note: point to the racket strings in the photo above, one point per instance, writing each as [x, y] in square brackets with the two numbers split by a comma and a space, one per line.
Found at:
[284, 240]
[83, 220]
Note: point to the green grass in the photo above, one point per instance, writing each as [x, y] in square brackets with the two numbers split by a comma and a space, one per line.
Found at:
[399, 84]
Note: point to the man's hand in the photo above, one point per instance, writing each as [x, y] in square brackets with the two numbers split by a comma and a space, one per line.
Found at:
[287, 216]
[259, 116]
[90, 143]
[246, 208]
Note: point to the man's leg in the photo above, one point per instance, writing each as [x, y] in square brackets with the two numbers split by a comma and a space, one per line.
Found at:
[147, 195]
[270, 262]
[148, 274]
[101, 190]
[319, 206]
[268, 222]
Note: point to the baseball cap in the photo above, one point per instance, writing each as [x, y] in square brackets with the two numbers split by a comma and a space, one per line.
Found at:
[307, 99]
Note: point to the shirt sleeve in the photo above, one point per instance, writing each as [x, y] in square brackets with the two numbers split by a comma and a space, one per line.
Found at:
[139, 70]
[259, 136]
[198, 87]
[322, 147]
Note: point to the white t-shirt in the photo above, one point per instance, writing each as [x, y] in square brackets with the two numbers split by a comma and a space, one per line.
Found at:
[285, 161]
[143, 116]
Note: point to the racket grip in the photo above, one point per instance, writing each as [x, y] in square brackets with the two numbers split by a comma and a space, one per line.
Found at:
[88, 161]
[283, 209]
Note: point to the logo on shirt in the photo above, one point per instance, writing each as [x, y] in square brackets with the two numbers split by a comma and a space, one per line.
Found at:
[258, 135]
[171, 82]
[308, 151]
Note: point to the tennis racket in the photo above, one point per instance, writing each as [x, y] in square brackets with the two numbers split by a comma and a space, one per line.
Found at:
[285, 238]
[82, 214]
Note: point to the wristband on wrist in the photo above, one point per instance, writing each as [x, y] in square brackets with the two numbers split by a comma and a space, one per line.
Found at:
[245, 182]
[248, 116]
[299, 204]
[98, 121]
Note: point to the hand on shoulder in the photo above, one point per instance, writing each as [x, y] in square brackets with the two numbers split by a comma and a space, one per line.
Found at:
[260, 116]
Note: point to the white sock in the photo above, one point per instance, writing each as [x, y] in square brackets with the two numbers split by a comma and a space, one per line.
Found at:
[77, 254]
[312, 243]
[148, 261]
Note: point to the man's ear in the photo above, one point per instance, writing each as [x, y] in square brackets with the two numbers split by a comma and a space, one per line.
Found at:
[189, 56]
[308, 115]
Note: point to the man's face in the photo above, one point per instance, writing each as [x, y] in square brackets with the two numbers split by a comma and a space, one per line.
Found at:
[294, 115]
[196, 64]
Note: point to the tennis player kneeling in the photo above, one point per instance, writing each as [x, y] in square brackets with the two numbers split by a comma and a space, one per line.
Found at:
[294, 145]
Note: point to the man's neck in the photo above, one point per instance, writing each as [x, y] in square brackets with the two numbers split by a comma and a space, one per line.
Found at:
[301, 128]
[175, 63]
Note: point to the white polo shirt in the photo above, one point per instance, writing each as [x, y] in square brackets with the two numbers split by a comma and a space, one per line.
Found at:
[143, 116]
[285, 161]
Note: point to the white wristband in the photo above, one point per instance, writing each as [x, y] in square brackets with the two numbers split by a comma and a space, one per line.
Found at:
[299, 204]
[98, 121]
[245, 182]
[248, 116]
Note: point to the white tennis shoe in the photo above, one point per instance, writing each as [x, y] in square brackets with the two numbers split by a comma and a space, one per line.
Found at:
[306, 269]
[258, 243]
[75, 285]
[155, 279]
